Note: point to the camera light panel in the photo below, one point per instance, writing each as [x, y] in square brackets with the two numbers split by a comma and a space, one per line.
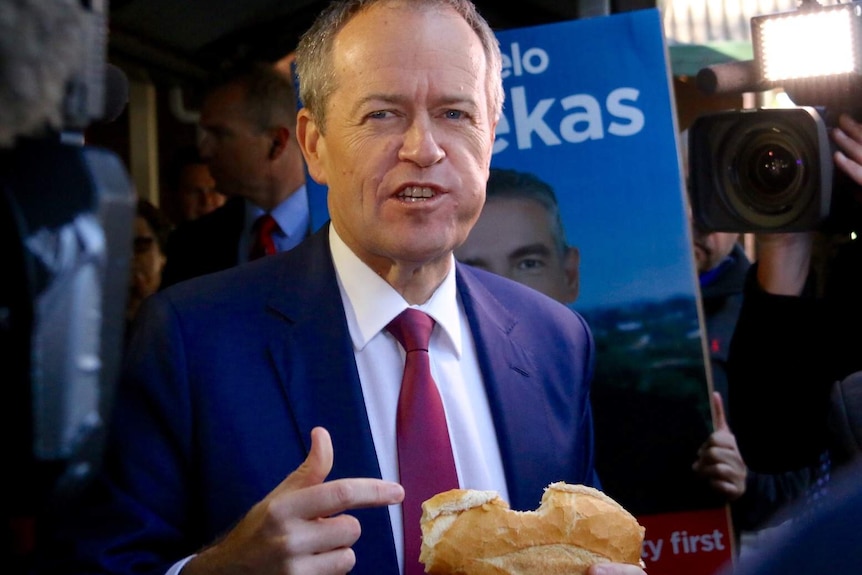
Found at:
[807, 43]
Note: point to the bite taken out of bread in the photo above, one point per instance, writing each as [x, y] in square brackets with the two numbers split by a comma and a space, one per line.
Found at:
[470, 532]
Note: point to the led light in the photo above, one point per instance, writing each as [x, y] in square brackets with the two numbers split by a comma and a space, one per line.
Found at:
[807, 43]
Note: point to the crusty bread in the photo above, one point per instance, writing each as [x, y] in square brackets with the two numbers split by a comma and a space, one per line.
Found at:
[469, 532]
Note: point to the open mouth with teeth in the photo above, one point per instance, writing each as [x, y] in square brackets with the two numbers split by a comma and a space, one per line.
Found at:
[416, 194]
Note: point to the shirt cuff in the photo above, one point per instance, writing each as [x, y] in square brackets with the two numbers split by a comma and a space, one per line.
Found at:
[178, 566]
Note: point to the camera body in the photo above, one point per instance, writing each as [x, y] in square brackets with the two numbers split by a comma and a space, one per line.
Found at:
[765, 169]
[771, 169]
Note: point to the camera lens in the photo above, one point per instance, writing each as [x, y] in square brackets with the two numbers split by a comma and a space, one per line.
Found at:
[761, 169]
[772, 169]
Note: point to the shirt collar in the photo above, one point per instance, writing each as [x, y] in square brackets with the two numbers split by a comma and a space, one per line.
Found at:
[292, 215]
[371, 303]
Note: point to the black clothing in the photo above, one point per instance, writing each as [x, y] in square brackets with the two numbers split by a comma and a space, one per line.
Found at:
[786, 354]
[205, 245]
[722, 299]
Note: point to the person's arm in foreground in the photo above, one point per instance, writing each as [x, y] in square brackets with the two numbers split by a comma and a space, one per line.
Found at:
[299, 527]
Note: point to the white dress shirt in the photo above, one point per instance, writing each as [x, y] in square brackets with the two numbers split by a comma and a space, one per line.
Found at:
[370, 304]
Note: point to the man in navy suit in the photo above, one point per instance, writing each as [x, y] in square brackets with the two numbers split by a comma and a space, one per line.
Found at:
[254, 430]
[248, 127]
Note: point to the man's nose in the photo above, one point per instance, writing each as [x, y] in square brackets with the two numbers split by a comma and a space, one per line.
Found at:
[420, 144]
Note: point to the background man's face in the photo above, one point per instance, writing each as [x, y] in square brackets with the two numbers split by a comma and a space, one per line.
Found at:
[197, 191]
[236, 151]
[513, 238]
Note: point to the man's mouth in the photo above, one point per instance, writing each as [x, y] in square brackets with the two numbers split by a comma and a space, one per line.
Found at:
[416, 194]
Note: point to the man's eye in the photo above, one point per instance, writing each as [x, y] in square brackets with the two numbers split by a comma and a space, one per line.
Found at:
[379, 114]
[531, 264]
[455, 114]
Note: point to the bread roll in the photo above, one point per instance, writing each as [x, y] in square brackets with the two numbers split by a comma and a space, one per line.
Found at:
[469, 532]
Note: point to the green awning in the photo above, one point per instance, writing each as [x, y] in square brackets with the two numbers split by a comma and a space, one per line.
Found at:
[688, 59]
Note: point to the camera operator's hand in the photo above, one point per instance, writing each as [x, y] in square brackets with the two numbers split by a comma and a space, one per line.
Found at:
[848, 137]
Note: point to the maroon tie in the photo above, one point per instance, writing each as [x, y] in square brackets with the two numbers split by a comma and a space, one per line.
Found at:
[425, 460]
[263, 245]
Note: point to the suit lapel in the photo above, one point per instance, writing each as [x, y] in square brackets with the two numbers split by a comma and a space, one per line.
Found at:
[314, 358]
[515, 394]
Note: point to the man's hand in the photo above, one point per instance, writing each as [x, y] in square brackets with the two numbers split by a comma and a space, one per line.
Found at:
[719, 460]
[299, 527]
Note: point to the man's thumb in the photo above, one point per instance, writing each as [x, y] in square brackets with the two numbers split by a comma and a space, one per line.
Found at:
[317, 465]
[720, 420]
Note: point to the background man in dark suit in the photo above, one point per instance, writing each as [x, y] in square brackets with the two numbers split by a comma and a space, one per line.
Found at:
[259, 404]
[248, 122]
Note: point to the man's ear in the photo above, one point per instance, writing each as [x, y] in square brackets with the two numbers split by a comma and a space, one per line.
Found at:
[280, 137]
[312, 145]
[571, 267]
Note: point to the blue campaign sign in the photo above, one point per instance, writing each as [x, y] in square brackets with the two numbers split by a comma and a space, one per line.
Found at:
[590, 110]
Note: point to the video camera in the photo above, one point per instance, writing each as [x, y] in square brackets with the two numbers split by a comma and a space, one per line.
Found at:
[771, 169]
[66, 217]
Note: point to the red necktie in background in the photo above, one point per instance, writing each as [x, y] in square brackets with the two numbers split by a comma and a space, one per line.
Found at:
[425, 460]
[263, 244]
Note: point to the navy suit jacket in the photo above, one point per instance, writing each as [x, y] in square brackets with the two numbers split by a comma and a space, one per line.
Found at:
[228, 373]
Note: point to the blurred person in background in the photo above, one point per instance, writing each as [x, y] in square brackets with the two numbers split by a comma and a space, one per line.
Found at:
[152, 228]
[248, 124]
[191, 186]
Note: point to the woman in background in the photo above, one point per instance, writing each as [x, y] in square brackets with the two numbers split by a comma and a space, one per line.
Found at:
[152, 227]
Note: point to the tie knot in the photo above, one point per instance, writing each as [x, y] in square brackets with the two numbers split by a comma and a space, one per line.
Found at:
[264, 225]
[263, 243]
[412, 328]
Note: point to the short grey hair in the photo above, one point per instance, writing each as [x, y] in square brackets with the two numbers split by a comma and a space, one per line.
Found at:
[269, 94]
[314, 53]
